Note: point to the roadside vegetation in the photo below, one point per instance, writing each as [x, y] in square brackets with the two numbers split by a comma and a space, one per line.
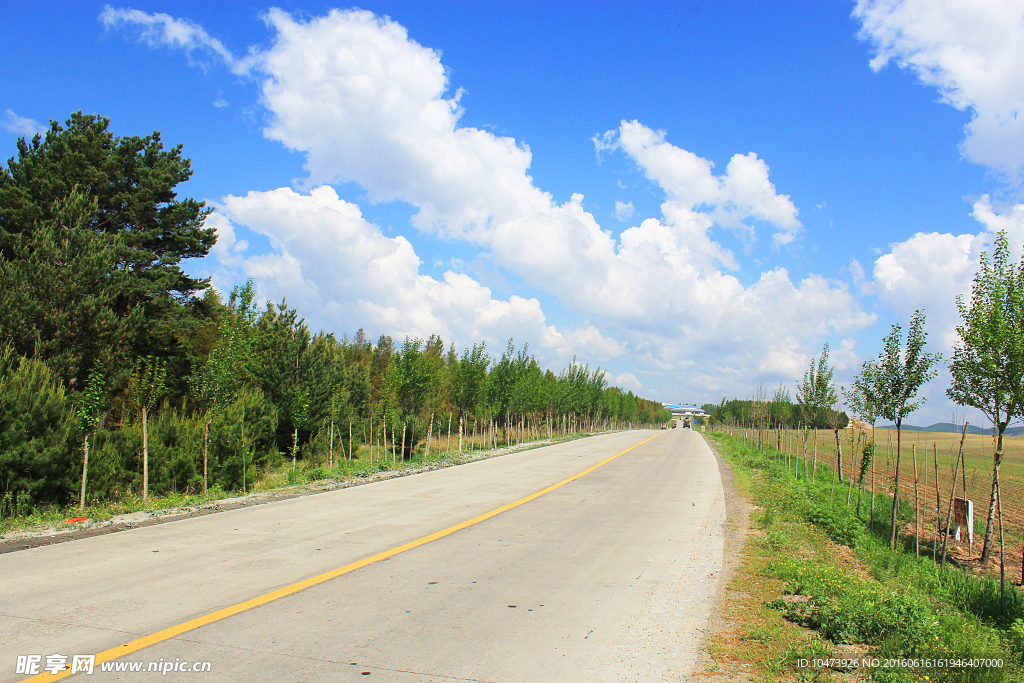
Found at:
[122, 377]
[281, 481]
[818, 583]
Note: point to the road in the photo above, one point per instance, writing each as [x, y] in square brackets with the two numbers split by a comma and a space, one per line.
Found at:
[609, 577]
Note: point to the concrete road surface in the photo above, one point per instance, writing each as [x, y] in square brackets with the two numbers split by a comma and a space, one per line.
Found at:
[609, 577]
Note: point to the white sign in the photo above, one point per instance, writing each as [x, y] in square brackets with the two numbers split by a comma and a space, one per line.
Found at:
[963, 513]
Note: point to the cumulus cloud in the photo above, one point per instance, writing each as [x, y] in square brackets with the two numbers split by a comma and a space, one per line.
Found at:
[743, 192]
[339, 268]
[364, 102]
[929, 270]
[21, 126]
[971, 53]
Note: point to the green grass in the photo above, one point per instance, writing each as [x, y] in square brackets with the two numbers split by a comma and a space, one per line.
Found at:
[854, 590]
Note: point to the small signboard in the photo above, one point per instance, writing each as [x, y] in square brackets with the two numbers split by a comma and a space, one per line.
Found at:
[963, 514]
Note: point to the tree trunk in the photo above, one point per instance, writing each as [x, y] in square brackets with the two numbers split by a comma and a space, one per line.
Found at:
[938, 501]
[403, 441]
[997, 459]
[896, 490]
[460, 434]
[1002, 550]
[832, 492]
[839, 457]
[145, 455]
[814, 465]
[243, 448]
[430, 432]
[330, 456]
[952, 493]
[85, 470]
[854, 444]
[350, 440]
[874, 457]
[206, 450]
[807, 435]
[917, 508]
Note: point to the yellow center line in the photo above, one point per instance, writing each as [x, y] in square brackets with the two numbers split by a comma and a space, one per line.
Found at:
[192, 624]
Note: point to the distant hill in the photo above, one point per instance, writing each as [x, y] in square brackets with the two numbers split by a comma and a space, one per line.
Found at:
[950, 427]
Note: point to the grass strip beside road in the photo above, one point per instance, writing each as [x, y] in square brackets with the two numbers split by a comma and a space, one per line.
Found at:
[168, 633]
[816, 583]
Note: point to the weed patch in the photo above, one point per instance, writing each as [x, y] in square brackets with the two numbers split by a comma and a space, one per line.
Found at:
[912, 618]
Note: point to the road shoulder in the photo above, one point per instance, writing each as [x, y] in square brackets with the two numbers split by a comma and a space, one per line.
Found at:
[736, 532]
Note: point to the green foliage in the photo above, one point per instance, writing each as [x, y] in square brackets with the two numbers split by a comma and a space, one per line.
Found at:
[92, 400]
[781, 412]
[282, 368]
[147, 384]
[1016, 638]
[103, 326]
[469, 377]
[988, 360]
[418, 375]
[230, 445]
[866, 456]
[891, 384]
[901, 372]
[37, 430]
[103, 208]
[838, 522]
[907, 607]
[847, 610]
[60, 285]
[229, 364]
[816, 393]
[317, 474]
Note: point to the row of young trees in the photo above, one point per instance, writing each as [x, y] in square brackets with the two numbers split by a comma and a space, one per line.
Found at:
[987, 370]
[815, 408]
[119, 372]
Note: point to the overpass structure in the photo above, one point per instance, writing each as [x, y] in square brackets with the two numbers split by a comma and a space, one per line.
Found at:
[684, 410]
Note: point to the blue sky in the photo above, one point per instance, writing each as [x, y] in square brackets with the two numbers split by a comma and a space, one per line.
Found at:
[693, 195]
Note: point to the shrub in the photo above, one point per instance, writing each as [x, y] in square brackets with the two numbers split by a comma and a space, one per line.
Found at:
[37, 431]
[317, 474]
[839, 523]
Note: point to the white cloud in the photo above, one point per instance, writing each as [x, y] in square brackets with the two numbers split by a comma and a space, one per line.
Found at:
[929, 270]
[161, 29]
[969, 51]
[1010, 220]
[225, 249]
[365, 103]
[21, 126]
[340, 269]
[624, 211]
[743, 192]
[626, 381]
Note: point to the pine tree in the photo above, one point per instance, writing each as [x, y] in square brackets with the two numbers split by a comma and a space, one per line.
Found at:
[109, 203]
